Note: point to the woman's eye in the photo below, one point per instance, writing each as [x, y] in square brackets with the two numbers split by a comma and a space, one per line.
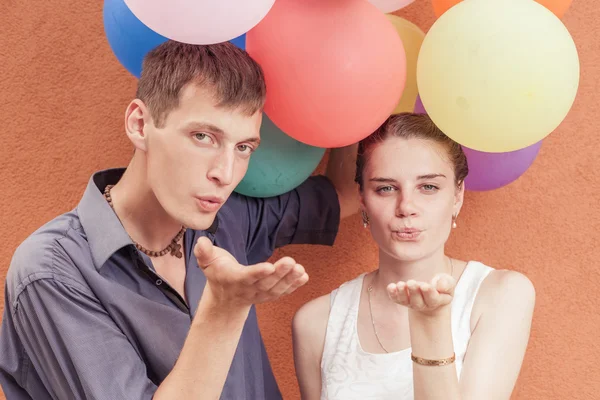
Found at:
[385, 189]
[430, 188]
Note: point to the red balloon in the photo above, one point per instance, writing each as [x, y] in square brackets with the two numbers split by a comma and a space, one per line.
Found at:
[334, 69]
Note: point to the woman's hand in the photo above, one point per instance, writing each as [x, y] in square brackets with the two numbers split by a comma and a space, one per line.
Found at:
[425, 298]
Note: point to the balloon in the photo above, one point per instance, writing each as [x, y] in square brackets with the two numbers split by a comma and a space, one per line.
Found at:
[200, 21]
[412, 37]
[488, 171]
[240, 41]
[388, 6]
[419, 109]
[334, 69]
[279, 165]
[498, 76]
[130, 39]
[558, 7]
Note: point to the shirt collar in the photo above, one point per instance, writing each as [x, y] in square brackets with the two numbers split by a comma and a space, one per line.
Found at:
[103, 229]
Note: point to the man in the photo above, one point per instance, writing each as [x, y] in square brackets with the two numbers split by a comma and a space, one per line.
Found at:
[118, 300]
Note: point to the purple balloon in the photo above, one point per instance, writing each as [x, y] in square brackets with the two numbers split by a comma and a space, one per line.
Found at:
[419, 108]
[489, 171]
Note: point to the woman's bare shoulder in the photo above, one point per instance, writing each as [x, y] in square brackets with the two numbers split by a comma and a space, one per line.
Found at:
[504, 290]
[311, 318]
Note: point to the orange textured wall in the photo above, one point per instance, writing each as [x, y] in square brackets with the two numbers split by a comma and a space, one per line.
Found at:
[62, 98]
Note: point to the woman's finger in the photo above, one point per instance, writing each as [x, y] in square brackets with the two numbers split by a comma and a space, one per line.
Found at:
[398, 293]
[444, 283]
[431, 297]
[415, 296]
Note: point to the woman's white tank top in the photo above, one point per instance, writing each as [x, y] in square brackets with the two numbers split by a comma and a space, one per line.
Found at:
[348, 372]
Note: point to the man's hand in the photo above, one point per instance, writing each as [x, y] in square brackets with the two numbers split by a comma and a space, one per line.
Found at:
[232, 285]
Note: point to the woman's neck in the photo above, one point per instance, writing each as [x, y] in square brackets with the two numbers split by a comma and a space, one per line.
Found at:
[141, 214]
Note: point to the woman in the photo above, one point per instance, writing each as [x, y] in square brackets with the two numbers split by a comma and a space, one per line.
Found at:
[423, 325]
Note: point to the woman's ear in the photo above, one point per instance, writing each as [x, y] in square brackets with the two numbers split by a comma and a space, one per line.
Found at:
[459, 195]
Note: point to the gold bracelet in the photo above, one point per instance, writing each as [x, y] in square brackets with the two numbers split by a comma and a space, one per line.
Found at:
[434, 363]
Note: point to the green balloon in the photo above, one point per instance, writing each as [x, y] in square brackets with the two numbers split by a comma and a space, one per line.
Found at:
[280, 163]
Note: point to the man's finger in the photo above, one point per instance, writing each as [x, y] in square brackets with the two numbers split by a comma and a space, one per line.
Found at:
[282, 265]
[204, 252]
[298, 283]
[282, 268]
[287, 281]
[256, 272]
[295, 274]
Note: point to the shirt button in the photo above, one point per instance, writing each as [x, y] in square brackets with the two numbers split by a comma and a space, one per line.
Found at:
[158, 282]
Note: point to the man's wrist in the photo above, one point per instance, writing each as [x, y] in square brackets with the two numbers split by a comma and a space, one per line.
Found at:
[215, 311]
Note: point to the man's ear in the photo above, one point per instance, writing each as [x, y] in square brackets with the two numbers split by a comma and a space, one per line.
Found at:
[136, 118]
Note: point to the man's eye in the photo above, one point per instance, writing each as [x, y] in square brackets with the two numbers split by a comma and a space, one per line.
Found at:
[203, 137]
[244, 148]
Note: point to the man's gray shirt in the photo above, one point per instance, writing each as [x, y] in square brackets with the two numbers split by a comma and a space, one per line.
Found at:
[87, 317]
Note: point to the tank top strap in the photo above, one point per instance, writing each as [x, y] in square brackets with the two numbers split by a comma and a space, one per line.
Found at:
[462, 305]
[343, 313]
[468, 286]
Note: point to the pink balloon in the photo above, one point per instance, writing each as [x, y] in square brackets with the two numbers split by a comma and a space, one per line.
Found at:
[200, 21]
[388, 6]
[334, 69]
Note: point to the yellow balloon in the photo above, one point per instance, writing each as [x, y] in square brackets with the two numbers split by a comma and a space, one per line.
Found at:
[498, 76]
[412, 37]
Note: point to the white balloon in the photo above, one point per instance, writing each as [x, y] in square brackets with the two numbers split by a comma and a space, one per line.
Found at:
[200, 21]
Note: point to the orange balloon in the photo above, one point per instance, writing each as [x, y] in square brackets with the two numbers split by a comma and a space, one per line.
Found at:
[558, 7]
[334, 69]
